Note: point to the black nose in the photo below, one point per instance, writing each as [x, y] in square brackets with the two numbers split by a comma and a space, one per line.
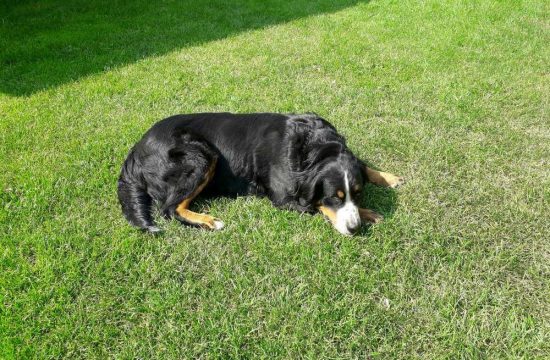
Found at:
[353, 229]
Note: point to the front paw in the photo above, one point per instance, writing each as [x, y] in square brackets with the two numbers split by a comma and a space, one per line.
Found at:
[370, 216]
[396, 181]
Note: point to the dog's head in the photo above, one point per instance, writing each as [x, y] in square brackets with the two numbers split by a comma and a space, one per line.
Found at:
[339, 186]
[334, 188]
[330, 177]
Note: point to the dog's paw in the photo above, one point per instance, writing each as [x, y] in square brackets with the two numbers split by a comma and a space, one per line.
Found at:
[370, 217]
[396, 181]
[218, 224]
[212, 224]
[153, 230]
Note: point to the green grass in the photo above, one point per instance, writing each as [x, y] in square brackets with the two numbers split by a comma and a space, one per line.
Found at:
[452, 95]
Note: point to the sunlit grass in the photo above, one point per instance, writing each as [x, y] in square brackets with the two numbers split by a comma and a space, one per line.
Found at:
[452, 96]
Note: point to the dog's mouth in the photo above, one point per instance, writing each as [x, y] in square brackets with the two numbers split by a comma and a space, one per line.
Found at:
[345, 220]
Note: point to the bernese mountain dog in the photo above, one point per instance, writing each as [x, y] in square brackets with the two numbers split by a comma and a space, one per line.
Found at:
[299, 162]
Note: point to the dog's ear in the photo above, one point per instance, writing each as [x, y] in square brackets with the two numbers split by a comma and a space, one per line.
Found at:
[316, 154]
[308, 144]
[310, 190]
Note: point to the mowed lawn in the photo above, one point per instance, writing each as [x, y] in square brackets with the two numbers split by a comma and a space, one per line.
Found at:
[451, 95]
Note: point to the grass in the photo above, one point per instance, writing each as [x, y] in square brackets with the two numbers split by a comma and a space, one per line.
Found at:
[451, 95]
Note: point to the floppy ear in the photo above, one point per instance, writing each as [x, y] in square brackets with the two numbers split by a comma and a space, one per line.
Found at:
[320, 152]
[308, 189]
[303, 154]
[310, 140]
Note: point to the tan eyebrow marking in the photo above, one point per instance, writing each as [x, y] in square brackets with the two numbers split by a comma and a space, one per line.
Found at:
[356, 187]
[340, 194]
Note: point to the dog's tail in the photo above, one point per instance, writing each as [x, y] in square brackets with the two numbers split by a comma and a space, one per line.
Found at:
[133, 197]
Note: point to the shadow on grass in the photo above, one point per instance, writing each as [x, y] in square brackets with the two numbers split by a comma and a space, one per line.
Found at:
[382, 200]
[47, 43]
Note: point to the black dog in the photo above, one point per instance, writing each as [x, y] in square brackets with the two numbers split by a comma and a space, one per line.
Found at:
[299, 162]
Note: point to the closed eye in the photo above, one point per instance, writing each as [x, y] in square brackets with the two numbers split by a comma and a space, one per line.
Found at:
[333, 201]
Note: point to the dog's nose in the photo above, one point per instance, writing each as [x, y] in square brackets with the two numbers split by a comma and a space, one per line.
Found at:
[353, 228]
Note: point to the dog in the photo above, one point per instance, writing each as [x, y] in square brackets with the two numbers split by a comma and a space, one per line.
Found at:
[298, 161]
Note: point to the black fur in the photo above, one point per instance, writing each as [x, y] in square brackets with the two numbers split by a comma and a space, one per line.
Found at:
[297, 161]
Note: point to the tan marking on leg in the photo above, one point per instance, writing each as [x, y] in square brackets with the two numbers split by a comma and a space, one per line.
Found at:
[383, 178]
[203, 220]
[192, 217]
[329, 213]
[370, 216]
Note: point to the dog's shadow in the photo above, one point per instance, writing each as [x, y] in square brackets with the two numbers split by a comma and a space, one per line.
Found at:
[379, 199]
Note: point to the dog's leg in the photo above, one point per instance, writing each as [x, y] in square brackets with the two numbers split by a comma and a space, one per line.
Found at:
[369, 216]
[183, 214]
[383, 178]
[202, 220]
